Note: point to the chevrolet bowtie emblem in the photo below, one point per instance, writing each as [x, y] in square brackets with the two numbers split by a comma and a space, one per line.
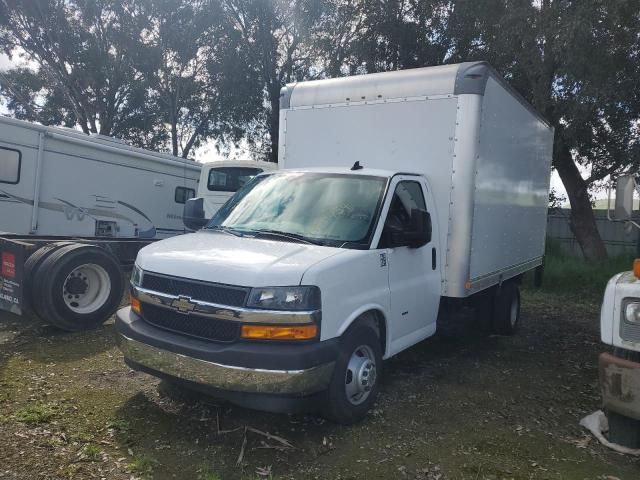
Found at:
[183, 304]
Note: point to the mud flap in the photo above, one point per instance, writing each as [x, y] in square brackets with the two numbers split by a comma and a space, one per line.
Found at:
[13, 254]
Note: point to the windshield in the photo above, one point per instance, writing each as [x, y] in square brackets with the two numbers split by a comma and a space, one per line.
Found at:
[330, 209]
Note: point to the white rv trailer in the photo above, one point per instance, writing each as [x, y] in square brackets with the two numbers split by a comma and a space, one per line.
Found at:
[64, 190]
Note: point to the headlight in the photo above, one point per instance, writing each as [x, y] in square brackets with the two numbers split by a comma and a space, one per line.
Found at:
[136, 276]
[285, 298]
[632, 312]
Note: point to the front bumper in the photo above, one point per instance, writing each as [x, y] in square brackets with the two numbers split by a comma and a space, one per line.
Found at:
[243, 367]
[620, 385]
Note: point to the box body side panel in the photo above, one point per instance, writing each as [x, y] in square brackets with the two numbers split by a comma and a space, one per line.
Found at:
[511, 189]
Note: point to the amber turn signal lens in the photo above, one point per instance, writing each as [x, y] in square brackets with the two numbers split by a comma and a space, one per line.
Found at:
[636, 267]
[272, 332]
[135, 305]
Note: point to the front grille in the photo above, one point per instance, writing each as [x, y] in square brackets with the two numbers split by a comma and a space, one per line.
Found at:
[206, 292]
[192, 325]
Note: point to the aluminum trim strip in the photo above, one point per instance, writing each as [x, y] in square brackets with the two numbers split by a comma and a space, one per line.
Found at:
[223, 312]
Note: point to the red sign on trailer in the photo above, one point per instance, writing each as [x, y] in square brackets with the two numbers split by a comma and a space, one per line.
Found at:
[13, 255]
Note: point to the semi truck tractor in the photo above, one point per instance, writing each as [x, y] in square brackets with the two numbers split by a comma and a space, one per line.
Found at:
[398, 192]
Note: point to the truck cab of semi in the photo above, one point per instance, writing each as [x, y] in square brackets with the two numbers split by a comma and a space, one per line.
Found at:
[620, 328]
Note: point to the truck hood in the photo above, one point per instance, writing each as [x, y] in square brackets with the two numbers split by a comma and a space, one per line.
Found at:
[222, 258]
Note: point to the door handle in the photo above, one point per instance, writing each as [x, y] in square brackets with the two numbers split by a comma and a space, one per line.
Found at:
[433, 258]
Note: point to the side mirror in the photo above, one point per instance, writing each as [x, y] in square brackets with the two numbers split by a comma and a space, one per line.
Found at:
[193, 214]
[624, 198]
[419, 232]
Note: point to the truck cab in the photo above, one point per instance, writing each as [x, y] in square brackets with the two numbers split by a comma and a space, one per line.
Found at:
[340, 265]
[620, 328]
[220, 180]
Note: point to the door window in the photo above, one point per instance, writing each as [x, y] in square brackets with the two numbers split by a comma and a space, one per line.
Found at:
[407, 197]
[9, 165]
[183, 194]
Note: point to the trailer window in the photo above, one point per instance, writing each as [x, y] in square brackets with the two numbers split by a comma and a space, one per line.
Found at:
[10, 165]
[183, 194]
[230, 179]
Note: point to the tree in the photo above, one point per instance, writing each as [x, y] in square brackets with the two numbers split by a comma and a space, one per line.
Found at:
[80, 51]
[577, 62]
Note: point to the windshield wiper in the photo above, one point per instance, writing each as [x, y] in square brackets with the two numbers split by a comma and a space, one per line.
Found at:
[227, 230]
[293, 236]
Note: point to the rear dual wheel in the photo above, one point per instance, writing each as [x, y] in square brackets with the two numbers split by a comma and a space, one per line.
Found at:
[498, 309]
[76, 286]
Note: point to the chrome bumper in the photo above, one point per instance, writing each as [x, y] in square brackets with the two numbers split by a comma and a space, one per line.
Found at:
[226, 377]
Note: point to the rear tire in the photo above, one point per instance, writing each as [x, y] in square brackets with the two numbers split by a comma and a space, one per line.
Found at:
[356, 378]
[31, 266]
[506, 317]
[78, 287]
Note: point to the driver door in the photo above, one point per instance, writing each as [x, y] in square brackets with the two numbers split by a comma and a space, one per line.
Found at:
[414, 272]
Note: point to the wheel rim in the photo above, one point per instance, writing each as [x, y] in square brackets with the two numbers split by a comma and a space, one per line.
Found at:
[513, 312]
[360, 377]
[86, 288]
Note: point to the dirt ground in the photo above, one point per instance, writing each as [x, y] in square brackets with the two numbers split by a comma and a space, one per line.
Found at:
[458, 406]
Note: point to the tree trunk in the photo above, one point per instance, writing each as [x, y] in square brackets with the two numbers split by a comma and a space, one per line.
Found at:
[582, 220]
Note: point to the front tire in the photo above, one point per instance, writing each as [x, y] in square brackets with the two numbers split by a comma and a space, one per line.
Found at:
[356, 378]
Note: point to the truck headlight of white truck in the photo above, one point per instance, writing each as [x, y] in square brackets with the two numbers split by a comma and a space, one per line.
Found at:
[632, 310]
[285, 298]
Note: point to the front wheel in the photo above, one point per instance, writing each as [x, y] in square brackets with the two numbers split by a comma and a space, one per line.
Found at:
[355, 382]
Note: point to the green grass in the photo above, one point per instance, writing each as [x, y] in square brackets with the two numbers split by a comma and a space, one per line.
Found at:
[142, 466]
[37, 413]
[568, 274]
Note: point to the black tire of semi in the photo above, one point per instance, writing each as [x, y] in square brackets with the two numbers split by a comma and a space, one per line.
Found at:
[506, 295]
[31, 266]
[50, 278]
[623, 430]
[338, 408]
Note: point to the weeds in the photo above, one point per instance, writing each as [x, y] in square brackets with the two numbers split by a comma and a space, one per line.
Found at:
[141, 466]
[91, 452]
[37, 413]
[568, 274]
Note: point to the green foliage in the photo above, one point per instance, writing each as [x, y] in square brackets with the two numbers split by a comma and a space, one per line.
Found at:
[569, 274]
[37, 413]
[142, 466]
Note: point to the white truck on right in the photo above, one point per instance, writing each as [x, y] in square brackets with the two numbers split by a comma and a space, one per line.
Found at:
[620, 328]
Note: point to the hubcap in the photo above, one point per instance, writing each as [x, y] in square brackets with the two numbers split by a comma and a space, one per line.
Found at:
[86, 288]
[361, 374]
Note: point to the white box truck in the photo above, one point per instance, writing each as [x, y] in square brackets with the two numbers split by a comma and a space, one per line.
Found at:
[400, 191]
[74, 209]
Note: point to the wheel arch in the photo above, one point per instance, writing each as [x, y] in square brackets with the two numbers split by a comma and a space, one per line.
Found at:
[372, 315]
